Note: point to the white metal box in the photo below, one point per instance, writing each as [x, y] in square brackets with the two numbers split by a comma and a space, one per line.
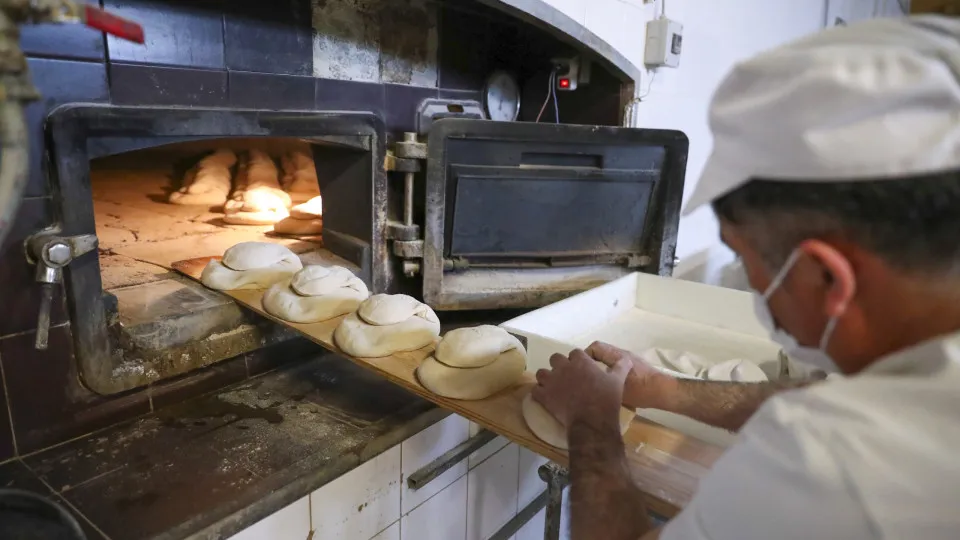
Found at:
[664, 43]
[640, 311]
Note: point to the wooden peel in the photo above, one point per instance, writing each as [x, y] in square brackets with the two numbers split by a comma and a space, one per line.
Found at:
[666, 464]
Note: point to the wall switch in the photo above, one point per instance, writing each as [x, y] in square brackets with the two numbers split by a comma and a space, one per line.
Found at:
[664, 43]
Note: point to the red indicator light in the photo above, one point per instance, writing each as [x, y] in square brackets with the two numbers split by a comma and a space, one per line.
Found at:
[564, 83]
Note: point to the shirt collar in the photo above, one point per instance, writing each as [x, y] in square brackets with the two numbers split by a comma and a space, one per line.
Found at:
[925, 358]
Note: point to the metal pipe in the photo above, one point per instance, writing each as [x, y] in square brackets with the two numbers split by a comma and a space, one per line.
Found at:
[523, 516]
[408, 199]
[556, 478]
[15, 162]
[455, 455]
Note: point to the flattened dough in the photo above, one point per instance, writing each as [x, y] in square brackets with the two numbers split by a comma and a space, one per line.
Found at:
[474, 347]
[340, 295]
[308, 210]
[299, 176]
[391, 326]
[549, 430]
[251, 265]
[257, 198]
[208, 182]
[473, 383]
[298, 227]
[736, 370]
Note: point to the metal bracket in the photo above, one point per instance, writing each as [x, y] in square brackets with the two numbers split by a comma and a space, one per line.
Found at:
[432, 109]
[50, 253]
[556, 478]
[455, 455]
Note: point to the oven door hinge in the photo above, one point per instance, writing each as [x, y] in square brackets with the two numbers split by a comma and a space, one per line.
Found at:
[50, 253]
[407, 243]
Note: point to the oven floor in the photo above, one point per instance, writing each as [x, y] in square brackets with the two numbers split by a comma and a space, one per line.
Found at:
[141, 234]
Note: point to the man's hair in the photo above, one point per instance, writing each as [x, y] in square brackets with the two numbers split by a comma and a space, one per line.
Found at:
[913, 223]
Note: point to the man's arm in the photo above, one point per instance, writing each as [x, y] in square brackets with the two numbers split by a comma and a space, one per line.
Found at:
[726, 405]
[604, 502]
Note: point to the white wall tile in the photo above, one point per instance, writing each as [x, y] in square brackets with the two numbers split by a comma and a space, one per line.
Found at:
[530, 483]
[360, 503]
[443, 517]
[291, 523]
[391, 533]
[426, 446]
[492, 493]
[486, 450]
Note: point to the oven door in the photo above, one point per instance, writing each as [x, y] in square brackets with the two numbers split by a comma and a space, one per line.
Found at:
[519, 215]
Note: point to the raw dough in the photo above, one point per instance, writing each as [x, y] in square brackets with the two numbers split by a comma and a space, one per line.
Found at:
[387, 324]
[208, 182]
[314, 294]
[387, 309]
[736, 370]
[299, 176]
[473, 383]
[251, 265]
[257, 197]
[549, 430]
[315, 280]
[474, 347]
[698, 367]
[298, 227]
[308, 210]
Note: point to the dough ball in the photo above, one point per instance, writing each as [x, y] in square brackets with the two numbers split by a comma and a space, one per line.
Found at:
[475, 346]
[387, 309]
[252, 255]
[679, 361]
[473, 383]
[282, 301]
[315, 280]
[359, 337]
[298, 227]
[311, 209]
[251, 265]
[264, 217]
[549, 430]
[736, 370]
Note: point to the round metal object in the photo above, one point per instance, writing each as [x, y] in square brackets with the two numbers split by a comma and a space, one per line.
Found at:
[58, 254]
[27, 516]
[501, 97]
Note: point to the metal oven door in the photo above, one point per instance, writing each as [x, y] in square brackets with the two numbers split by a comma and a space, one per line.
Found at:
[519, 215]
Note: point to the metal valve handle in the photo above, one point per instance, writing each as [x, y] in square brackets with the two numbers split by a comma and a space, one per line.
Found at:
[50, 253]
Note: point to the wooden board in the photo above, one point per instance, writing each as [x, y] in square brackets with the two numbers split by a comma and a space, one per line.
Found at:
[665, 464]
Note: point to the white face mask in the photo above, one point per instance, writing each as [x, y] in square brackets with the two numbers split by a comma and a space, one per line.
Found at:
[815, 356]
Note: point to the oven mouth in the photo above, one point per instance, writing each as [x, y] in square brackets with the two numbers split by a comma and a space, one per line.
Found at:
[134, 321]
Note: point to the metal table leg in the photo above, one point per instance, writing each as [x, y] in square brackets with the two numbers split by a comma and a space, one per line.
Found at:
[556, 478]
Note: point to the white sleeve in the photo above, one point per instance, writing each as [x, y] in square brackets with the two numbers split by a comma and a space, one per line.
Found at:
[778, 481]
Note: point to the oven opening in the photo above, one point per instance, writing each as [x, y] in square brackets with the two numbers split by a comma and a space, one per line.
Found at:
[149, 212]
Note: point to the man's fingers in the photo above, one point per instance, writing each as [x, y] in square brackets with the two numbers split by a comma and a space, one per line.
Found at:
[604, 352]
[557, 360]
[537, 393]
[622, 368]
[543, 375]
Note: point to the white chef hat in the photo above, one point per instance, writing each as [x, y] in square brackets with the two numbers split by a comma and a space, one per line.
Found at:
[877, 99]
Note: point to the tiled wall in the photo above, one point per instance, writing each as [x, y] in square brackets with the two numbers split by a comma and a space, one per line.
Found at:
[228, 53]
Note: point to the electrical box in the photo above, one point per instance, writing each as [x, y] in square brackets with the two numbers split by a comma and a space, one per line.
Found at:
[664, 43]
[569, 73]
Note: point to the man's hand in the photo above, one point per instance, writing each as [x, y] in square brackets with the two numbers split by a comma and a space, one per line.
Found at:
[579, 389]
[645, 386]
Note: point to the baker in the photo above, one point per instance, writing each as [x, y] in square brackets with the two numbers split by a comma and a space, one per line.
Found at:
[835, 176]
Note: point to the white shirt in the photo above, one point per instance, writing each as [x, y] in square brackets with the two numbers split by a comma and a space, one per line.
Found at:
[875, 455]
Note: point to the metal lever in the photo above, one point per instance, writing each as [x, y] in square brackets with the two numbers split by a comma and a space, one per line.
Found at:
[50, 253]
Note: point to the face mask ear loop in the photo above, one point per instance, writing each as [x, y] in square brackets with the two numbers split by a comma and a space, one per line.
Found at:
[782, 274]
[828, 332]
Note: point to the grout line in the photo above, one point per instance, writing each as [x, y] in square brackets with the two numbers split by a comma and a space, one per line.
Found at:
[63, 499]
[6, 397]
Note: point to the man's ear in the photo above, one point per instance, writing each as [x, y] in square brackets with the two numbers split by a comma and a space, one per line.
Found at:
[839, 275]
